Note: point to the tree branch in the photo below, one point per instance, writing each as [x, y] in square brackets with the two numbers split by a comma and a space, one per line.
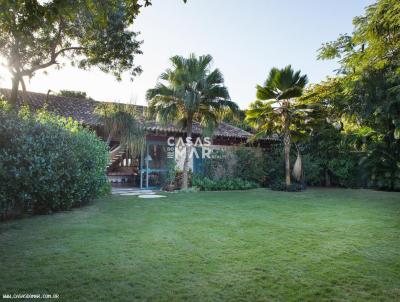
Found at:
[69, 48]
[52, 60]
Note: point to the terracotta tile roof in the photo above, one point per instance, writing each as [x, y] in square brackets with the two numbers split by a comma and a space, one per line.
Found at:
[82, 110]
[79, 109]
[223, 129]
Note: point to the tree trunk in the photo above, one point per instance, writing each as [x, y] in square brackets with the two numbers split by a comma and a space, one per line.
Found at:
[286, 141]
[24, 96]
[14, 91]
[188, 151]
[327, 178]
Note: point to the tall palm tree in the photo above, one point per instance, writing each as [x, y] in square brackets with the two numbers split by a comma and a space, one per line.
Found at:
[275, 107]
[190, 91]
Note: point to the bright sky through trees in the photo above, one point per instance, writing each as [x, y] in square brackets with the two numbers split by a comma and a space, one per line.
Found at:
[246, 39]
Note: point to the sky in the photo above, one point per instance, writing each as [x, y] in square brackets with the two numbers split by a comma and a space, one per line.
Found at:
[245, 38]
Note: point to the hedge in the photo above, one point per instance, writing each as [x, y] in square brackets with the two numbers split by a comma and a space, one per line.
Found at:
[47, 163]
[222, 184]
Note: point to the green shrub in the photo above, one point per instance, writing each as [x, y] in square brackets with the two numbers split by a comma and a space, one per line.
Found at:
[168, 180]
[106, 189]
[313, 170]
[221, 164]
[278, 186]
[294, 187]
[274, 166]
[222, 184]
[250, 165]
[344, 170]
[239, 163]
[47, 163]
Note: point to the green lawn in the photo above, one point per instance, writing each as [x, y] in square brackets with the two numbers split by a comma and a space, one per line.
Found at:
[260, 245]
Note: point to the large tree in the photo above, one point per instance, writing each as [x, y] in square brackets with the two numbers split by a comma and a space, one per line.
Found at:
[275, 107]
[190, 91]
[36, 34]
[369, 82]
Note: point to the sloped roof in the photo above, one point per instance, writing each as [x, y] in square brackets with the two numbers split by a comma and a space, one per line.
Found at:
[82, 110]
[223, 129]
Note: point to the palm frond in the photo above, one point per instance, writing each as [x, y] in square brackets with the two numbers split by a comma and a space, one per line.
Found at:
[265, 93]
[190, 90]
[273, 104]
[123, 121]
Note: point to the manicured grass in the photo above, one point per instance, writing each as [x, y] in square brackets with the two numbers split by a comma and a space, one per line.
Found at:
[260, 245]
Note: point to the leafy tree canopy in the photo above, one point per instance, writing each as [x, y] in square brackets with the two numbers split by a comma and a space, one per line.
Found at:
[375, 42]
[363, 101]
[35, 34]
[370, 68]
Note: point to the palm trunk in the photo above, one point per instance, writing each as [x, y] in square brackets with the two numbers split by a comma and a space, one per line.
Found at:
[188, 151]
[286, 143]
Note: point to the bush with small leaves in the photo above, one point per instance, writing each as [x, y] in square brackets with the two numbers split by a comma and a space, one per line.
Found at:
[222, 184]
[47, 163]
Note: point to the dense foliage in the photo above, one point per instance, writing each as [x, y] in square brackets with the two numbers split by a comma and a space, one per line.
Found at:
[349, 133]
[47, 164]
[250, 165]
[236, 169]
[222, 184]
[357, 133]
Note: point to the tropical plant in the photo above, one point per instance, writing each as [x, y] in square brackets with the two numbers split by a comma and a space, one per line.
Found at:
[237, 119]
[369, 89]
[190, 91]
[169, 179]
[122, 121]
[325, 126]
[275, 109]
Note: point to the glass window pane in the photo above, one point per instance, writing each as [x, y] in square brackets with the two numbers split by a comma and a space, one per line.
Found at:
[158, 155]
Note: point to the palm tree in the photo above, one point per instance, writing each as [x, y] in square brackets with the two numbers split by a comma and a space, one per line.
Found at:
[190, 91]
[122, 120]
[275, 107]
